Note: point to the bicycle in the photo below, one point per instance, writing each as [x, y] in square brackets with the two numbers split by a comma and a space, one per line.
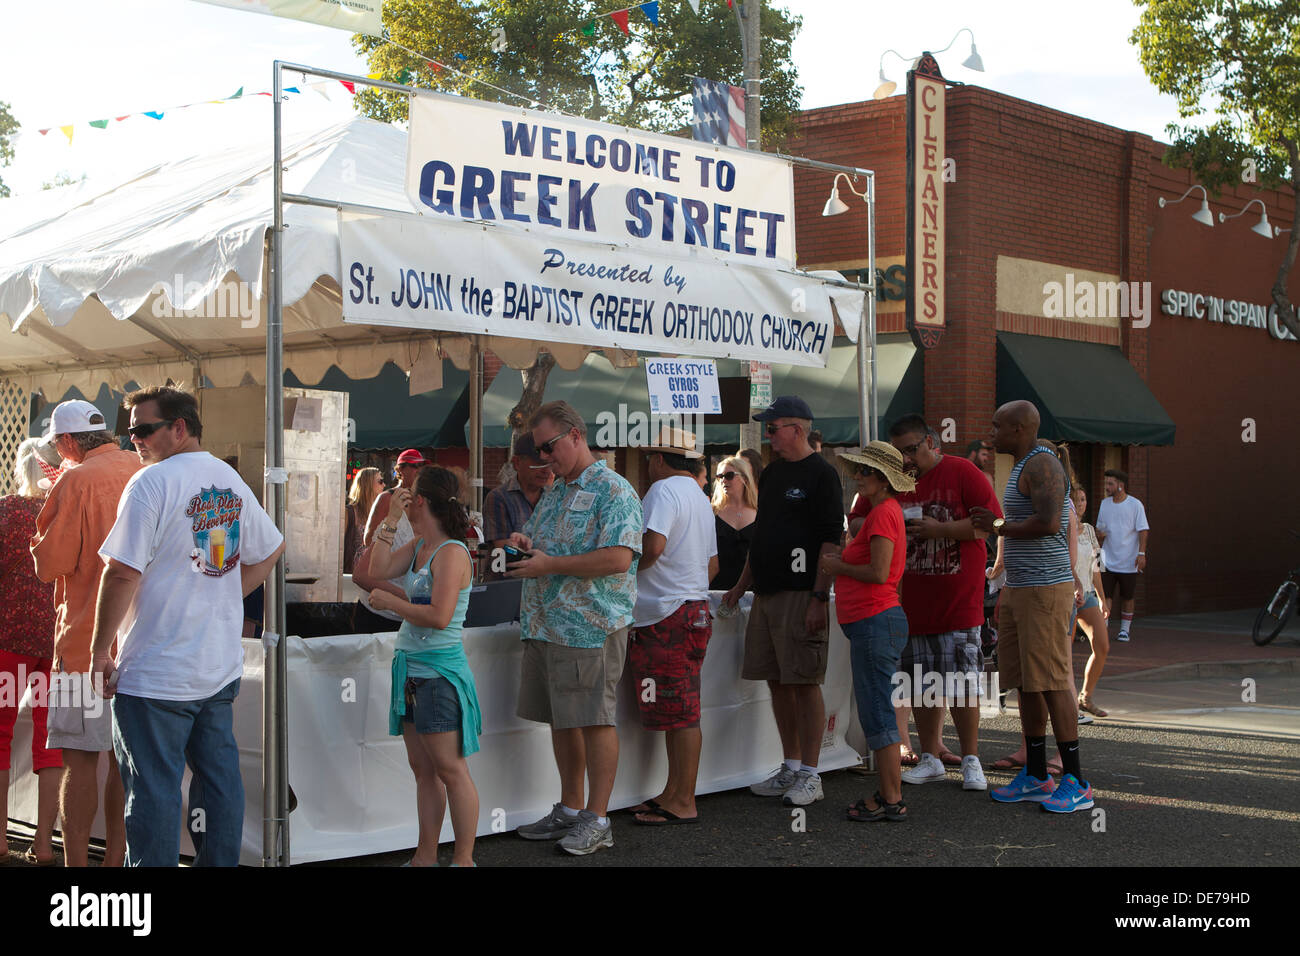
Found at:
[1270, 621]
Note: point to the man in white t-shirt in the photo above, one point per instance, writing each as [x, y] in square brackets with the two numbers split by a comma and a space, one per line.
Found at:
[1122, 531]
[190, 542]
[670, 622]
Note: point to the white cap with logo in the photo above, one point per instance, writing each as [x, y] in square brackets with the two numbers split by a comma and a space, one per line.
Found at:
[72, 417]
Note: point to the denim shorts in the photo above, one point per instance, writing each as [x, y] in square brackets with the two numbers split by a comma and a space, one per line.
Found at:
[433, 705]
[875, 645]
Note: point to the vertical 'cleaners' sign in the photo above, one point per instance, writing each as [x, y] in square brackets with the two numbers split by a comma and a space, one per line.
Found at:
[925, 213]
[569, 178]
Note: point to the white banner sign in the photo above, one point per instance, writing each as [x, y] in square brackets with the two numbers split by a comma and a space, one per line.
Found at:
[459, 277]
[683, 386]
[357, 16]
[558, 176]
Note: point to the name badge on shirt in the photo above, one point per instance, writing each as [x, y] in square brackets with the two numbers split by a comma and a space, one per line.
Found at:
[582, 501]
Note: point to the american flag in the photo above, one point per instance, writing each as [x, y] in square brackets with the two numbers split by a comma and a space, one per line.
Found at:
[719, 112]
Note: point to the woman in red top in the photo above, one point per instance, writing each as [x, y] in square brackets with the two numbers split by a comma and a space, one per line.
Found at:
[872, 618]
[26, 649]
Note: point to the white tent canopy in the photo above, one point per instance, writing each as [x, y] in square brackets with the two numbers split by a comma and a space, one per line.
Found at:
[80, 271]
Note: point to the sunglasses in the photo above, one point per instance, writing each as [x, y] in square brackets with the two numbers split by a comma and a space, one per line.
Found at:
[727, 476]
[773, 429]
[865, 472]
[546, 446]
[145, 429]
[911, 449]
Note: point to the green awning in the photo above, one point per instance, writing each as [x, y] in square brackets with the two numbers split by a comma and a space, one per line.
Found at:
[1084, 392]
[832, 392]
[387, 415]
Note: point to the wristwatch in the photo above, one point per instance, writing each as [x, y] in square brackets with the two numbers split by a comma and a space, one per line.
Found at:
[998, 524]
[822, 596]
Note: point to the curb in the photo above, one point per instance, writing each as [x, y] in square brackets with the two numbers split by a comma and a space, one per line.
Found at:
[1193, 671]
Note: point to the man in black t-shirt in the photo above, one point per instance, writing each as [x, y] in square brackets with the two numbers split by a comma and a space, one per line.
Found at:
[800, 517]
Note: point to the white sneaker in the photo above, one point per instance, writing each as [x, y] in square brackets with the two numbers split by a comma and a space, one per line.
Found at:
[1085, 717]
[807, 789]
[928, 769]
[781, 780]
[972, 774]
[1122, 637]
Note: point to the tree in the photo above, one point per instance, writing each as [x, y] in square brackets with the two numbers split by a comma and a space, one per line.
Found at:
[8, 126]
[537, 48]
[1234, 67]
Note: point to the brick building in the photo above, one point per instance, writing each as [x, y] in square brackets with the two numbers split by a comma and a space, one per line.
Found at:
[1042, 197]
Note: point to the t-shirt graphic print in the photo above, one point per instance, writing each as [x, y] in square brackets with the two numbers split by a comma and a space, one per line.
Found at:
[214, 514]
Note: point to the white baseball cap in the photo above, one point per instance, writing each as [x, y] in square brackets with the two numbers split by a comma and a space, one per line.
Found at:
[71, 417]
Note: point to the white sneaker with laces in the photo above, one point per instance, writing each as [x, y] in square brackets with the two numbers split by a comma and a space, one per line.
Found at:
[807, 789]
[781, 780]
[1085, 717]
[929, 769]
[972, 774]
[1122, 637]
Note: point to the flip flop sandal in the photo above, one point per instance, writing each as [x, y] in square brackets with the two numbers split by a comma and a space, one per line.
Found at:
[950, 759]
[907, 757]
[670, 819]
[31, 858]
[1087, 706]
[1006, 763]
[645, 806]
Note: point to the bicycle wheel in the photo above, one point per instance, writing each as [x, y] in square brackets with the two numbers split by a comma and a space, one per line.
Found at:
[1269, 622]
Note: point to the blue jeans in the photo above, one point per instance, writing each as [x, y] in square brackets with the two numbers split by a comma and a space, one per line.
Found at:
[875, 646]
[154, 740]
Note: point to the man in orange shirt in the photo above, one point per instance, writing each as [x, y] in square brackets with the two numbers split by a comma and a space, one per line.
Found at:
[76, 518]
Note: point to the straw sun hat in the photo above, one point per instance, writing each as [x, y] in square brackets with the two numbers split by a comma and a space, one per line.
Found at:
[886, 459]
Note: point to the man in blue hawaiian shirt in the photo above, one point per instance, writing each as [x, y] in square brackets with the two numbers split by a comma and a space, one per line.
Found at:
[582, 542]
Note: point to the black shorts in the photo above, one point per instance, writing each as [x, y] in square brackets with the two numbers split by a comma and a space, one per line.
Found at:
[1128, 584]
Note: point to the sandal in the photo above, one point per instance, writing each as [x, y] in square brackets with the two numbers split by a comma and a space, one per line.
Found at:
[884, 812]
[1010, 762]
[1087, 706]
[950, 759]
[646, 806]
[907, 757]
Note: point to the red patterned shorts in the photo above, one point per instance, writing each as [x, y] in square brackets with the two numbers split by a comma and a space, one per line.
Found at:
[665, 659]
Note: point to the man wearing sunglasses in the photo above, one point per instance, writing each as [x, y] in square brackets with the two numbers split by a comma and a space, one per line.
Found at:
[75, 519]
[800, 517]
[582, 542]
[190, 542]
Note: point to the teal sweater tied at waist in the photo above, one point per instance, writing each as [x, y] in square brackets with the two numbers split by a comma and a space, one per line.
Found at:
[450, 663]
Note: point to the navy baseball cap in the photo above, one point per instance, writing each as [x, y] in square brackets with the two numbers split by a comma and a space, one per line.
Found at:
[525, 447]
[786, 406]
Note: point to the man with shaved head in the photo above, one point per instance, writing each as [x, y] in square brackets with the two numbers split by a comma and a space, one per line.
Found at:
[1033, 649]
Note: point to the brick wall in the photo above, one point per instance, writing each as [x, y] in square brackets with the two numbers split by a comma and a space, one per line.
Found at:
[1035, 183]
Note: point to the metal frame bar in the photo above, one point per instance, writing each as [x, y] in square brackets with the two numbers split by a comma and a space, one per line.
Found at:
[275, 734]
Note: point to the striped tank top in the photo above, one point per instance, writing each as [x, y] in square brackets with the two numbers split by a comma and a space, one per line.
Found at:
[1034, 562]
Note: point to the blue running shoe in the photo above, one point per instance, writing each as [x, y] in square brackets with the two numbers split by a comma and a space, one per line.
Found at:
[1071, 795]
[1024, 787]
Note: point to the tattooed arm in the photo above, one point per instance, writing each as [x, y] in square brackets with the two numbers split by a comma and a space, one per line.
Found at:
[1042, 480]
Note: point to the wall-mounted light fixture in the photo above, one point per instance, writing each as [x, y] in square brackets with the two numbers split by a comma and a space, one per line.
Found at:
[972, 62]
[1202, 215]
[1261, 228]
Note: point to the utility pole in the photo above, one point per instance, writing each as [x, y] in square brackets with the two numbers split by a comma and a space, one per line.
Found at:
[747, 18]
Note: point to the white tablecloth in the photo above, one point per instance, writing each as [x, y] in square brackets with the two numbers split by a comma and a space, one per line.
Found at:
[355, 790]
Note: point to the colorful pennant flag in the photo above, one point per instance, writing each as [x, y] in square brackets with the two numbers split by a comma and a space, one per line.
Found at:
[99, 124]
[349, 86]
[651, 10]
[154, 114]
[237, 94]
[589, 30]
[695, 5]
[67, 131]
[620, 17]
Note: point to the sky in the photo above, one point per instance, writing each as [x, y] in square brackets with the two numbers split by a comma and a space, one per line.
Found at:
[72, 61]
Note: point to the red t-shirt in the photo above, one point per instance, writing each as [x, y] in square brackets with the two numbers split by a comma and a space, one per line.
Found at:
[855, 600]
[943, 585]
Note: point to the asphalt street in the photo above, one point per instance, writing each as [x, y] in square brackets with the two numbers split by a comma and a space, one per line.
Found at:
[1172, 791]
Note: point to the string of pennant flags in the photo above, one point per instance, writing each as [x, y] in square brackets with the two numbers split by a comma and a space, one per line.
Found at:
[69, 129]
[620, 17]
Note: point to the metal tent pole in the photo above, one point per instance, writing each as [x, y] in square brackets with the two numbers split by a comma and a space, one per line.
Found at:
[275, 781]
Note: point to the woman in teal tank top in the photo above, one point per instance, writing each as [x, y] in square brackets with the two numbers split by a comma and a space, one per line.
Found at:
[434, 705]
